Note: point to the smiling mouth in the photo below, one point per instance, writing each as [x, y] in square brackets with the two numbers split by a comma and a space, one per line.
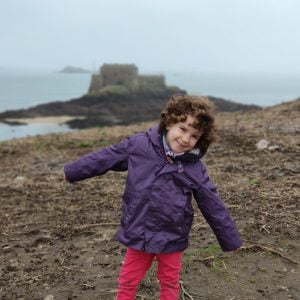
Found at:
[181, 145]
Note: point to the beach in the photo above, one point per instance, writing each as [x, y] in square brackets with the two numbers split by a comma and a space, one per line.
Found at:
[44, 120]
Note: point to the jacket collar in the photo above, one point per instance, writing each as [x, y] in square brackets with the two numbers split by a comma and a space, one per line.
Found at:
[157, 140]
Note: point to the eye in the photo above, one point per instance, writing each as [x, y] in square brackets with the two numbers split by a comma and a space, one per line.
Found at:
[182, 128]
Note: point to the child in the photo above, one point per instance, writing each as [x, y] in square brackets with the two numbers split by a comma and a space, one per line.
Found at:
[164, 171]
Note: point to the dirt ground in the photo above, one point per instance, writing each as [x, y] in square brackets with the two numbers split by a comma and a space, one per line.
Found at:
[57, 240]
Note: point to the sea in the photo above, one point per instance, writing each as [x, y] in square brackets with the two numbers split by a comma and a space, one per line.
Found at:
[26, 88]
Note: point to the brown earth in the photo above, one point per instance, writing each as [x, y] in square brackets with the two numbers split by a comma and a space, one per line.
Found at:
[57, 239]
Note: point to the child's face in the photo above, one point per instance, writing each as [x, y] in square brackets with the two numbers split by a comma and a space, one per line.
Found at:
[182, 136]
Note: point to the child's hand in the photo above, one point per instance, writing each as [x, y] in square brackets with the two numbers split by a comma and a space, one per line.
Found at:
[66, 179]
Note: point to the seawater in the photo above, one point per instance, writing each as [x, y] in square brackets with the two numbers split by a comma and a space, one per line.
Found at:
[23, 89]
[8, 132]
[260, 89]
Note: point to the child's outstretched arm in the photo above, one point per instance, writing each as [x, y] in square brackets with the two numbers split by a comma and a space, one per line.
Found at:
[114, 157]
[216, 214]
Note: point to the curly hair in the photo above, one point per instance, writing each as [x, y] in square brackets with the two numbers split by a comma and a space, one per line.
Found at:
[179, 107]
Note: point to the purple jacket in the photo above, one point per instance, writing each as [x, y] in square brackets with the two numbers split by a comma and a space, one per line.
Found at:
[157, 213]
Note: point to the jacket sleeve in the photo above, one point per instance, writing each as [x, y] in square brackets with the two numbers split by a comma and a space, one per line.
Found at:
[215, 213]
[114, 157]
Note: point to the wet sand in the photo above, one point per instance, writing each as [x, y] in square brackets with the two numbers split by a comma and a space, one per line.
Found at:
[45, 120]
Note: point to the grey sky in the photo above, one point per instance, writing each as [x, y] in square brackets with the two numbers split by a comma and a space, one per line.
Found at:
[157, 35]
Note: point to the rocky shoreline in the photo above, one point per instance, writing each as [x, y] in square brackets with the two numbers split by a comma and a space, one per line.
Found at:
[118, 95]
[108, 109]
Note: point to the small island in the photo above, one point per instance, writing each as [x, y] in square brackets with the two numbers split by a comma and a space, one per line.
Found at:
[117, 95]
[74, 70]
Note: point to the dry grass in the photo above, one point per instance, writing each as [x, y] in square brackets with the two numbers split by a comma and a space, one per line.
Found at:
[58, 239]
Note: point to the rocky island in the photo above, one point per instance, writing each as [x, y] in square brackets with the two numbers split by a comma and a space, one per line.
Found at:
[74, 70]
[117, 95]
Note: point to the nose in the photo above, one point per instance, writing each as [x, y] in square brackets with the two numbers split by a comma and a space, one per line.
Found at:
[185, 138]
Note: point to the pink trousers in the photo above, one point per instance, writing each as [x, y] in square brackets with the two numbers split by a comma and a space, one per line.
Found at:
[137, 263]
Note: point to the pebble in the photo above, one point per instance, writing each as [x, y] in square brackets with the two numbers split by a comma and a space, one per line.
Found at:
[262, 144]
[19, 179]
[273, 147]
[13, 266]
[6, 249]
[282, 288]
[49, 297]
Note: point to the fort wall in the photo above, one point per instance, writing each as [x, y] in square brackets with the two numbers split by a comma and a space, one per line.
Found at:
[124, 75]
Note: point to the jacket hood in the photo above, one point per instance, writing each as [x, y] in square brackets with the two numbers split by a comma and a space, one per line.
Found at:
[190, 157]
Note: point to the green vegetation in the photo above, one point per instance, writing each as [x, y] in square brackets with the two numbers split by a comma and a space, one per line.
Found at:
[255, 181]
[110, 90]
[71, 144]
[44, 144]
[3, 143]
[210, 250]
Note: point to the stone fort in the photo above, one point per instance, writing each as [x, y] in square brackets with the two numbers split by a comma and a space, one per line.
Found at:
[125, 75]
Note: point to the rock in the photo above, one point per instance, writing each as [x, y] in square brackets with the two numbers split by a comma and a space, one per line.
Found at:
[6, 248]
[20, 179]
[273, 148]
[13, 266]
[74, 70]
[42, 240]
[282, 288]
[292, 166]
[262, 144]
[49, 297]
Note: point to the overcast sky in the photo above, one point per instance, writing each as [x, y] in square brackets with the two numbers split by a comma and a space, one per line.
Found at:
[156, 35]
